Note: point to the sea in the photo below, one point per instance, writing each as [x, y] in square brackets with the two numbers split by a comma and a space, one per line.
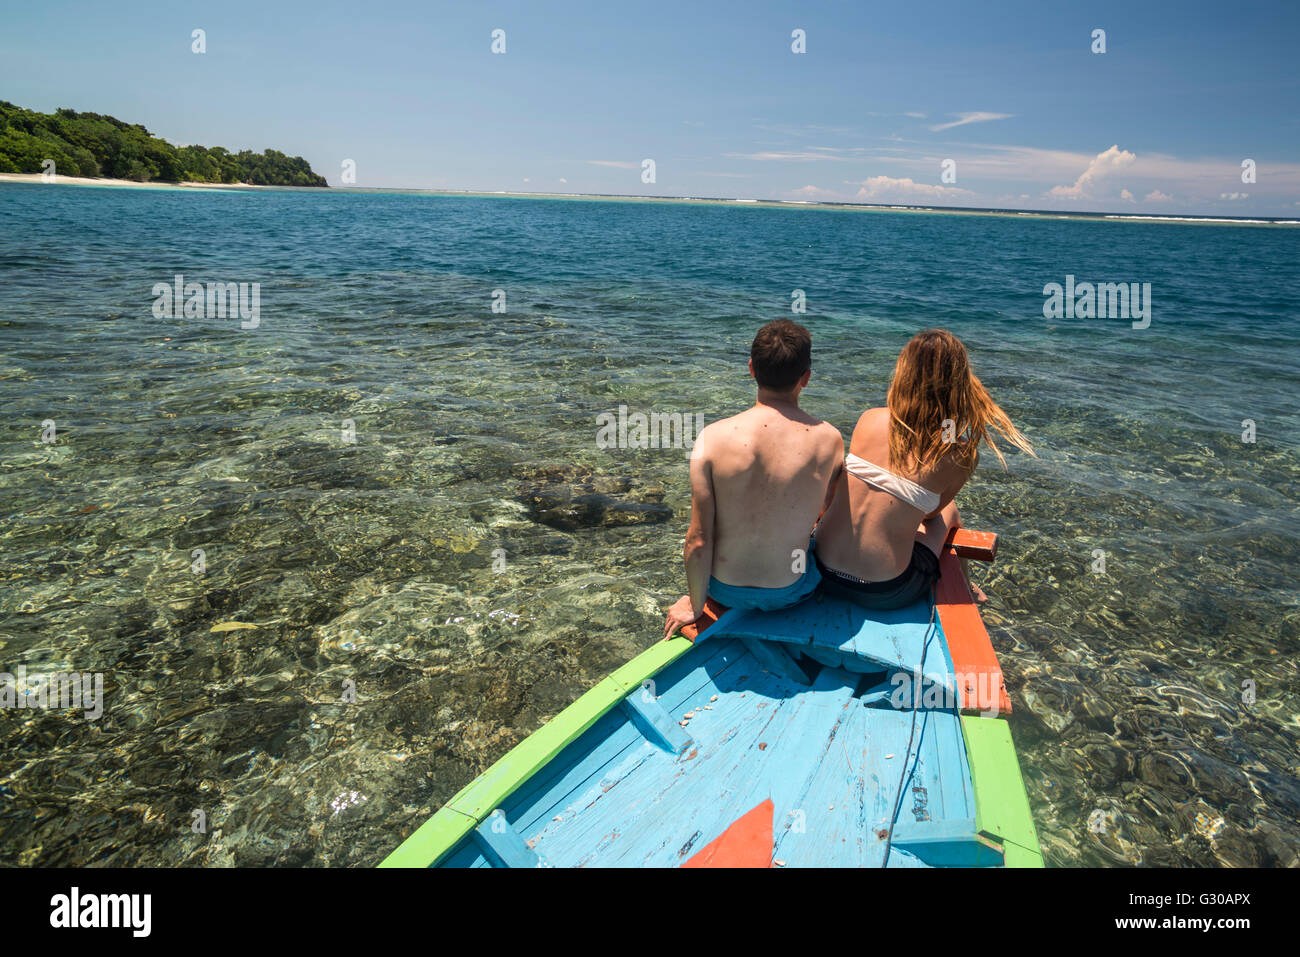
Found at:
[336, 538]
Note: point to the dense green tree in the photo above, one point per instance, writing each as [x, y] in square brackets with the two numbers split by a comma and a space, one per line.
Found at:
[88, 144]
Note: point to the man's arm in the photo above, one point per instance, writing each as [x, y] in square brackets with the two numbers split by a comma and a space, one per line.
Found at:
[834, 484]
[698, 553]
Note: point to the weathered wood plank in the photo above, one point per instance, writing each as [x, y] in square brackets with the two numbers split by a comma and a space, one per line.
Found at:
[774, 658]
[439, 835]
[502, 845]
[980, 685]
[829, 827]
[653, 721]
[647, 810]
[1002, 806]
[785, 762]
[746, 843]
[677, 687]
[978, 546]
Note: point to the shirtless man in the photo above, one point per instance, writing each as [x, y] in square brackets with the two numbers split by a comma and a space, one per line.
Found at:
[759, 480]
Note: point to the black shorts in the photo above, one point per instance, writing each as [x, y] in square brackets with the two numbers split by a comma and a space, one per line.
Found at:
[915, 582]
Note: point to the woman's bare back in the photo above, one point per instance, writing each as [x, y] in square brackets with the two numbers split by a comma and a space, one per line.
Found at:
[867, 532]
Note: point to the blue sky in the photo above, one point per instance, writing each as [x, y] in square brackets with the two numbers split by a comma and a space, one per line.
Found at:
[712, 92]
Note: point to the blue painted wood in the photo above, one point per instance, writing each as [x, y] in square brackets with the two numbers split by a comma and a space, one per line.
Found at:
[830, 761]
[901, 857]
[657, 811]
[466, 854]
[797, 742]
[842, 635]
[830, 827]
[949, 842]
[502, 845]
[774, 658]
[653, 721]
[680, 687]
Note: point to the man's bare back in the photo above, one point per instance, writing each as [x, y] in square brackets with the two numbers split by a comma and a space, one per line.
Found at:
[770, 468]
[758, 482]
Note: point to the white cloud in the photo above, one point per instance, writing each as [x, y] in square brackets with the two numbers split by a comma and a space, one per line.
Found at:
[887, 187]
[789, 157]
[915, 116]
[964, 118]
[1233, 195]
[884, 189]
[814, 192]
[621, 164]
[1052, 178]
[563, 180]
[1102, 165]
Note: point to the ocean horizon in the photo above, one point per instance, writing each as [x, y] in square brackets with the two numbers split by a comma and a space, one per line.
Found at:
[1206, 218]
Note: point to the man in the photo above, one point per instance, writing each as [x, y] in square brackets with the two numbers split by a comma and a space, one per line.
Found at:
[758, 482]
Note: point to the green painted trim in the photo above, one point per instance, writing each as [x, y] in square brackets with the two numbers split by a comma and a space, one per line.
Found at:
[1013, 855]
[1001, 804]
[473, 803]
[431, 840]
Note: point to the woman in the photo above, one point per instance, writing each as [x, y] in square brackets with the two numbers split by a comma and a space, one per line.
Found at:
[878, 544]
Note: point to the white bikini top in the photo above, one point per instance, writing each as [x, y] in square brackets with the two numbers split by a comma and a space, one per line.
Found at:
[905, 490]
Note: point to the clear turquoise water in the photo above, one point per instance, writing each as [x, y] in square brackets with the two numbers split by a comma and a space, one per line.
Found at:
[373, 562]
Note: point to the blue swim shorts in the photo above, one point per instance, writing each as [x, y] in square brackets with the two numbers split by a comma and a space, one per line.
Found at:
[767, 599]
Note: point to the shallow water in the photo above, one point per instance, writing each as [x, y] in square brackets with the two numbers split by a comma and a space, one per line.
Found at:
[372, 561]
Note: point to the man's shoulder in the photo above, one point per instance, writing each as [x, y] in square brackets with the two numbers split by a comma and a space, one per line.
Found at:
[716, 430]
[735, 431]
[709, 437]
[829, 429]
[832, 438]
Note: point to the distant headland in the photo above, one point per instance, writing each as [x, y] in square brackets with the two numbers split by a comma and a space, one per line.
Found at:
[92, 146]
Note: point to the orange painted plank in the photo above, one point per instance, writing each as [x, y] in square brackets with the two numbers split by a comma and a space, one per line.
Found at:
[712, 612]
[746, 843]
[979, 676]
[980, 546]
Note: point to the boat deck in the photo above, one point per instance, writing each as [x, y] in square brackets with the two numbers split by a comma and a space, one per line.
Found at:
[789, 739]
[830, 762]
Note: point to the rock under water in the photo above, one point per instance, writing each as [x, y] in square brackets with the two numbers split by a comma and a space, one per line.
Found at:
[570, 498]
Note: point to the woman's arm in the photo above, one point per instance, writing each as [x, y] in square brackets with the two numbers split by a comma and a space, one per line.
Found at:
[954, 485]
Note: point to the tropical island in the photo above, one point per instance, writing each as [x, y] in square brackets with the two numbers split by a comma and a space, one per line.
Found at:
[95, 146]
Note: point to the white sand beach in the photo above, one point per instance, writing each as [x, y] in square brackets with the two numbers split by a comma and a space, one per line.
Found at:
[105, 181]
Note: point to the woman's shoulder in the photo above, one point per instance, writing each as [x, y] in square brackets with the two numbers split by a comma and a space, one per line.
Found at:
[954, 470]
[874, 417]
[871, 434]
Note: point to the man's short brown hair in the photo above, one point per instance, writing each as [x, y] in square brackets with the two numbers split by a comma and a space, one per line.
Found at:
[781, 353]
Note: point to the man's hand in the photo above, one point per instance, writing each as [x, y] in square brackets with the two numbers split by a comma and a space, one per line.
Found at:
[682, 613]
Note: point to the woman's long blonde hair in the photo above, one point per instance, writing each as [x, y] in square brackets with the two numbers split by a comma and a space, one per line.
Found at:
[935, 399]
